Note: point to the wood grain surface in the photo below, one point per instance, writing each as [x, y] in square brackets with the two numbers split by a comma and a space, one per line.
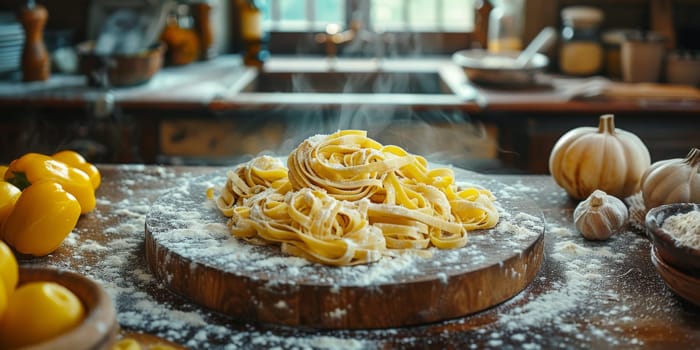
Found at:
[189, 249]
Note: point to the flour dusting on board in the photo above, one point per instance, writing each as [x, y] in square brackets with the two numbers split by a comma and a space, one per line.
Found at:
[188, 225]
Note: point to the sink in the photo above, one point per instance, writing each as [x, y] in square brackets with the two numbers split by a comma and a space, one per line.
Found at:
[310, 83]
[353, 82]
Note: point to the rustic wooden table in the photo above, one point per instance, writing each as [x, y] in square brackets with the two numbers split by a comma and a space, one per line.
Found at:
[586, 294]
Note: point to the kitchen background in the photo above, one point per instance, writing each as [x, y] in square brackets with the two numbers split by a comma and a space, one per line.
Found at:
[513, 138]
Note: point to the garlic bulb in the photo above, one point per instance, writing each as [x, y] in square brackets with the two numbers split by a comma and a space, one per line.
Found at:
[605, 158]
[600, 216]
[674, 180]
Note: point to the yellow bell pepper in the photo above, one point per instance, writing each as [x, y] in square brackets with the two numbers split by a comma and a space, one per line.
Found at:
[43, 217]
[9, 274]
[9, 269]
[33, 167]
[8, 197]
[76, 160]
[3, 169]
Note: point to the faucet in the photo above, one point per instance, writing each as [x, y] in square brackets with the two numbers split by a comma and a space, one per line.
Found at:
[378, 40]
[332, 37]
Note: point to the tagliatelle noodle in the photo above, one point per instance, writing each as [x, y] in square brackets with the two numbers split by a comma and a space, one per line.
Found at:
[347, 165]
[311, 224]
[256, 176]
[346, 199]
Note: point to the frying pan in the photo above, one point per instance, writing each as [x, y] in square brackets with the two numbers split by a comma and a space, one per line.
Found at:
[499, 69]
[507, 69]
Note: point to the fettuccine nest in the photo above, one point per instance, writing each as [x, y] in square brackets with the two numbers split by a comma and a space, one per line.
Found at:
[345, 199]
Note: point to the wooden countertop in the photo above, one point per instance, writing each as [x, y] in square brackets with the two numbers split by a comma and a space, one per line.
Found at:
[217, 85]
[586, 294]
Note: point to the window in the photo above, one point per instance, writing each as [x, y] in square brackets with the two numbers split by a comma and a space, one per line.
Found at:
[400, 15]
[429, 26]
[417, 15]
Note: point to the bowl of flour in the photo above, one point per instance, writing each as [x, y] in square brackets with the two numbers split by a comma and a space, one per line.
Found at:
[674, 230]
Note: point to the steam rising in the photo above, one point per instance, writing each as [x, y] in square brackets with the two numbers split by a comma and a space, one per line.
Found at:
[443, 136]
[448, 137]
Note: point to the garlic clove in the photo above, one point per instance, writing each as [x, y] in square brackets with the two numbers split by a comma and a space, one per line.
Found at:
[600, 216]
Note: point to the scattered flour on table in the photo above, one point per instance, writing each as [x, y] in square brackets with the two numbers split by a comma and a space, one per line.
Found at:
[584, 284]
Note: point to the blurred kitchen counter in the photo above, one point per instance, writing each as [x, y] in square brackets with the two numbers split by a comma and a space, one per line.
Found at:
[218, 85]
[195, 113]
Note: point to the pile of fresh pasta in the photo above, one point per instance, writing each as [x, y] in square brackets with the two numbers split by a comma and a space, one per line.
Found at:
[345, 199]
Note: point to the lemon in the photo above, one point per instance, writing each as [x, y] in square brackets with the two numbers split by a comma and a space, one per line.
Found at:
[127, 344]
[161, 347]
[37, 312]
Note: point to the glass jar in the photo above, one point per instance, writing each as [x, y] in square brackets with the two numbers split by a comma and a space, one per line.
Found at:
[180, 37]
[505, 27]
[581, 52]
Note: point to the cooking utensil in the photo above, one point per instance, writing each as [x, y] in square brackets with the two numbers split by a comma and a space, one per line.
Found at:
[36, 64]
[541, 42]
[119, 70]
[499, 69]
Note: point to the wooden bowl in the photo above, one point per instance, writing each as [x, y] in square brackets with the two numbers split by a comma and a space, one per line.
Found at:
[684, 285]
[99, 328]
[122, 70]
[684, 258]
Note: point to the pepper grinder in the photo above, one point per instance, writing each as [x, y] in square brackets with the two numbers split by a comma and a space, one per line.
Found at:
[205, 30]
[36, 64]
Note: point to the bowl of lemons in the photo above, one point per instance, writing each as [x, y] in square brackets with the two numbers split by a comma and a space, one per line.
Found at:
[50, 308]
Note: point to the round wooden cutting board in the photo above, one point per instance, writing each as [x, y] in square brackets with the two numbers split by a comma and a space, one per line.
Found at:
[189, 249]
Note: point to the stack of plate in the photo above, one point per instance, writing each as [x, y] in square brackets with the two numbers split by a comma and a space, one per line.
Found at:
[11, 41]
